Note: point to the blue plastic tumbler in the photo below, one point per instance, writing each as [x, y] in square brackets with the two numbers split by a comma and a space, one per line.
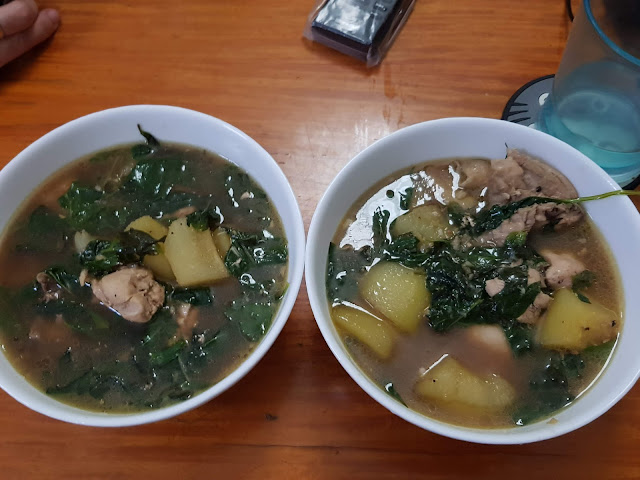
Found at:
[595, 102]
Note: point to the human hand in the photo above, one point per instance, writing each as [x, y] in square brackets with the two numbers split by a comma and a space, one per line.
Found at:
[22, 27]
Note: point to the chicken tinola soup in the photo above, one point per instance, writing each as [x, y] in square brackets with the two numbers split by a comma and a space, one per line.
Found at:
[139, 276]
[475, 291]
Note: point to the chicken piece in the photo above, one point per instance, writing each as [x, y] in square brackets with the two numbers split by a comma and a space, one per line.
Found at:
[474, 173]
[131, 292]
[494, 286]
[534, 276]
[562, 268]
[520, 175]
[488, 338]
[531, 218]
[536, 309]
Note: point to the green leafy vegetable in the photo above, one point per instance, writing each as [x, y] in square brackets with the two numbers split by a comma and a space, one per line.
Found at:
[405, 198]
[194, 296]
[207, 219]
[44, 232]
[404, 249]
[169, 354]
[344, 268]
[102, 257]
[76, 315]
[380, 228]
[457, 280]
[490, 219]
[519, 336]
[64, 279]
[549, 388]
[254, 319]
[248, 251]
[390, 389]
[453, 294]
[152, 142]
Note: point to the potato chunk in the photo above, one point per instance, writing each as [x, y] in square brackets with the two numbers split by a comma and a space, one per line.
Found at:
[428, 223]
[398, 293]
[371, 331]
[573, 325]
[449, 382]
[192, 255]
[149, 226]
[159, 264]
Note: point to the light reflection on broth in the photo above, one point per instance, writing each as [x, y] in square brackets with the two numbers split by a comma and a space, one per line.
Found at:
[497, 358]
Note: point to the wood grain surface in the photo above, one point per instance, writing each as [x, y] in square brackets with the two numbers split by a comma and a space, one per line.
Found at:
[297, 414]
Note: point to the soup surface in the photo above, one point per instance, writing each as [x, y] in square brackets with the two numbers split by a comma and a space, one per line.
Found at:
[139, 276]
[466, 292]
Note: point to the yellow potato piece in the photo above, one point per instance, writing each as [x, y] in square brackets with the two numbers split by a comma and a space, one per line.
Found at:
[428, 223]
[193, 255]
[149, 226]
[398, 293]
[371, 331]
[222, 241]
[159, 264]
[451, 383]
[573, 325]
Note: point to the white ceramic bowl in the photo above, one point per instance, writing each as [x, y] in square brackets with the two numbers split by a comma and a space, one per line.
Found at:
[117, 126]
[616, 218]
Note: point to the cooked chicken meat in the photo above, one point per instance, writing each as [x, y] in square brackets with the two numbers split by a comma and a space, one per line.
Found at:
[131, 292]
[562, 268]
[535, 310]
[520, 175]
[494, 286]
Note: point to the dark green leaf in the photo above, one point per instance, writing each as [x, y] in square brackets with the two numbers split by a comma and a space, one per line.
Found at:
[76, 315]
[345, 266]
[160, 330]
[582, 280]
[491, 218]
[45, 231]
[102, 257]
[549, 387]
[405, 198]
[63, 278]
[380, 229]
[254, 319]
[390, 389]
[248, 251]
[169, 354]
[193, 296]
[404, 249]
[520, 336]
[152, 142]
[156, 177]
[207, 219]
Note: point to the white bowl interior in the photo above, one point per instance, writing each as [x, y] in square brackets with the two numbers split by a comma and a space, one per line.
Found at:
[118, 126]
[616, 218]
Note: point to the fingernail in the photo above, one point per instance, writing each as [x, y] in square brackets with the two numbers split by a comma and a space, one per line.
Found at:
[52, 15]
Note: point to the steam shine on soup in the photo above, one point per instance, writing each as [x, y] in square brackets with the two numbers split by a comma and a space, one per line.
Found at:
[472, 292]
[139, 276]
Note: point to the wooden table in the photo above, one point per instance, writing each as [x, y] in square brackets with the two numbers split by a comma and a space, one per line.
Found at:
[297, 414]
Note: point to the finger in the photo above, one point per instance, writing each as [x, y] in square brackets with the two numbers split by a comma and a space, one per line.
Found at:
[12, 47]
[17, 16]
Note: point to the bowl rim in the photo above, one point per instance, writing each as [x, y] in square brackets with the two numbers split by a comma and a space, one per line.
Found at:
[296, 237]
[316, 292]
